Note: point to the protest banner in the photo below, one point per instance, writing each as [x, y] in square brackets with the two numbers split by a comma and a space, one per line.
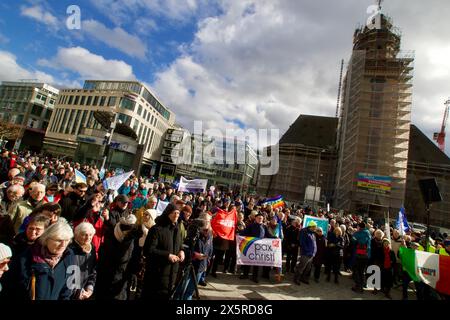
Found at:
[195, 185]
[252, 251]
[161, 206]
[224, 224]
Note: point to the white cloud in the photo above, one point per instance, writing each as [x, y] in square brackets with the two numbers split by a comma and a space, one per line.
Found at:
[10, 70]
[39, 14]
[178, 11]
[116, 38]
[88, 65]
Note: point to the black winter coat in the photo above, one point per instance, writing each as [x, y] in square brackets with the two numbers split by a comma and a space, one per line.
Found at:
[70, 205]
[113, 276]
[319, 258]
[51, 284]
[160, 274]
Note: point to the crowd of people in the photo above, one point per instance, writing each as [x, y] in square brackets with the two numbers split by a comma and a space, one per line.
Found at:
[62, 239]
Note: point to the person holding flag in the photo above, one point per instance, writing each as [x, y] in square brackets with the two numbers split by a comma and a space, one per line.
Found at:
[259, 230]
[276, 231]
[224, 226]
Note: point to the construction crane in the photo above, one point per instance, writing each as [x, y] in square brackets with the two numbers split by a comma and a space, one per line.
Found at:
[440, 136]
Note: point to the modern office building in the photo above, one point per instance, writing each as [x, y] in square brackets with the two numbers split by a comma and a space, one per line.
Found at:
[29, 106]
[374, 122]
[228, 163]
[130, 103]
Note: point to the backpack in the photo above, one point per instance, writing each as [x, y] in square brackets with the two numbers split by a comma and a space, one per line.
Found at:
[361, 249]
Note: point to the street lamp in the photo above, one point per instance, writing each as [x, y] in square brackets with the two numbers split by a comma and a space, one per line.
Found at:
[317, 178]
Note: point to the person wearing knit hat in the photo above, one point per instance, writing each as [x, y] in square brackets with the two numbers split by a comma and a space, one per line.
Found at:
[163, 250]
[5, 256]
[308, 249]
[113, 282]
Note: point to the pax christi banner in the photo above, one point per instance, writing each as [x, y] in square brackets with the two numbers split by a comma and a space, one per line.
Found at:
[253, 251]
[224, 224]
[429, 268]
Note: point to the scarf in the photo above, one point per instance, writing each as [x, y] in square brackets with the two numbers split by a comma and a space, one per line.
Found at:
[87, 248]
[41, 255]
[144, 236]
[387, 258]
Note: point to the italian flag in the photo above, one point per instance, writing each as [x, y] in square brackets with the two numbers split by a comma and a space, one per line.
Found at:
[429, 268]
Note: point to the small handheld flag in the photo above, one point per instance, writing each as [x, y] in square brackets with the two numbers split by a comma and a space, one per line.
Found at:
[79, 177]
[401, 223]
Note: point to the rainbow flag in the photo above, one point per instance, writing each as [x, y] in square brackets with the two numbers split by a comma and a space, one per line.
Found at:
[275, 202]
[246, 243]
[429, 268]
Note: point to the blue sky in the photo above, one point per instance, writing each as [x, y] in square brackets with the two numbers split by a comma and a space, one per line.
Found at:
[229, 63]
[34, 30]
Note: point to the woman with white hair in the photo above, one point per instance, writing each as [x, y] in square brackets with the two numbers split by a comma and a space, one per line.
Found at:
[41, 273]
[85, 260]
[376, 250]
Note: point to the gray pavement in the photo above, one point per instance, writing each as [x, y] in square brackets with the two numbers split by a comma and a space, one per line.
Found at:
[230, 287]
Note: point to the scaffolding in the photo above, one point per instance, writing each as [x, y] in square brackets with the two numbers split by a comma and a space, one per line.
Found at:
[375, 120]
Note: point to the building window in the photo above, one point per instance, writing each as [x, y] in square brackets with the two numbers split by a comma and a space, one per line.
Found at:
[102, 101]
[37, 110]
[124, 118]
[48, 114]
[45, 125]
[127, 104]
[83, 99]
[111, 101]
[19, 119]
[89, 100]
[69, 121]
[95, 101]
[77, 100]
[75, 123]
[139, 110]
[83, 119]
[70, 100]
[145, 114]
[64, 118]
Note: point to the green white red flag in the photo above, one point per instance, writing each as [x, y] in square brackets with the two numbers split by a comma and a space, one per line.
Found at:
[429, 268]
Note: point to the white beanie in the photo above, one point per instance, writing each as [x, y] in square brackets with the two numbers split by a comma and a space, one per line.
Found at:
[5, 252]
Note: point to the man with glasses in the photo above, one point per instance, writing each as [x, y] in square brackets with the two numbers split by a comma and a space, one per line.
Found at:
[118, 209]
[73, 201]
[24, 208]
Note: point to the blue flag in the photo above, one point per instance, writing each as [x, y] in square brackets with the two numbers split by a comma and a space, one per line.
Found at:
[402, 224]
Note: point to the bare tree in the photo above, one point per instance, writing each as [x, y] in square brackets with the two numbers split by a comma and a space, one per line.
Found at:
[9, 131]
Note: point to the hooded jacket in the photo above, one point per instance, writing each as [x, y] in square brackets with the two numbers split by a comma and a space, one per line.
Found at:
[163, 239]
[362, 239]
